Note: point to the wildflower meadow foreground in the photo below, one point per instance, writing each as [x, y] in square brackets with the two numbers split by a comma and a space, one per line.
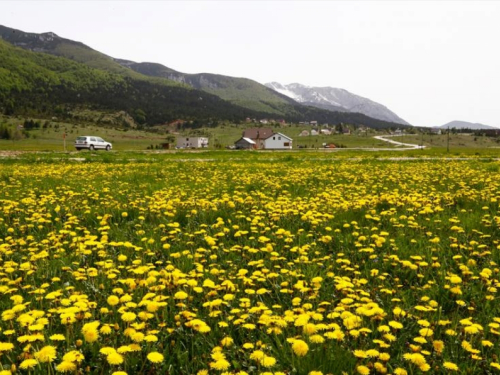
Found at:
[280, 266]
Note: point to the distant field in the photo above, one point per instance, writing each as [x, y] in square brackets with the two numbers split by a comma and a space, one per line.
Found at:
[51, 138]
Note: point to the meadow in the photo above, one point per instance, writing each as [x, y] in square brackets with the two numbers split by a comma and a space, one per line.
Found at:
[270, 264]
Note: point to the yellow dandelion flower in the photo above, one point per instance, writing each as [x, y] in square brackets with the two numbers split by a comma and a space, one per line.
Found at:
[107, 350]
[450, 366]
[227, 341]
[268, 361]
[155, 357]
[46, 354]
[57, 337]
[6, 346]
[257, 355]
[66, 366]
[105, 330]
[73, 356]
[300, 348]
[396, 325]
[221, 364]
[113, 300]
[91, 335]
[495, 365]
[181, 295]
[317, 339]
[28, 364]
[360, 354]
[438, 345]
[363, 370]
[129, 317]
[114, 358]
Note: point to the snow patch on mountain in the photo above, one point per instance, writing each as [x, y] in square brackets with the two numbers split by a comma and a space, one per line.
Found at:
[283, 90]
[336, 99]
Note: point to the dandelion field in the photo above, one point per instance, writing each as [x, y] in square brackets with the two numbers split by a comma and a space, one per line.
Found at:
[283, 266]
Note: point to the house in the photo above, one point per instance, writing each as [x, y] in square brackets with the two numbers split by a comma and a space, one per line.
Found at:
[258, 135]
[314, 123]
[245, 144]
[192, 142]
[304, 133]
[265, 138]
[278, 141]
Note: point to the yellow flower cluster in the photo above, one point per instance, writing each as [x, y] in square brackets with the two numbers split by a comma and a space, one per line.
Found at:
[250, 267]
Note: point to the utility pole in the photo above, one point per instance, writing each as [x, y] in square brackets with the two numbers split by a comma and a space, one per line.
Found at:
[448, 141]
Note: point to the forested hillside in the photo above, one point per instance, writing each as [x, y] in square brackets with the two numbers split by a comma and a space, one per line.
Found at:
[45, 74]
[40, 83]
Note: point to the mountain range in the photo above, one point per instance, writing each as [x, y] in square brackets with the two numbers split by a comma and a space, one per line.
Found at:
[466, 125]
[45, 73]
[335, 99]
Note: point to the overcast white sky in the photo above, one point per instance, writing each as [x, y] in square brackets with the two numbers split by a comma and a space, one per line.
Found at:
[429, 62]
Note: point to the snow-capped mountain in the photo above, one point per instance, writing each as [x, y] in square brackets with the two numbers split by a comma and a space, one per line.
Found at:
[336, 99]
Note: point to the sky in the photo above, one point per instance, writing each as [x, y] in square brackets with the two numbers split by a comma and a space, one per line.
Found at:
[430, 62]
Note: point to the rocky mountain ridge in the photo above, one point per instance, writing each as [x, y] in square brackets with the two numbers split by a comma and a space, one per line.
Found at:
[336, 99]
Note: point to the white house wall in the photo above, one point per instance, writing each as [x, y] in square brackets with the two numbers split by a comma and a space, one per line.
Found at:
[188, 142]
[278, 143]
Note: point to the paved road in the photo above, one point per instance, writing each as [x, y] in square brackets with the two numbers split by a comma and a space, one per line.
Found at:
[408, 145]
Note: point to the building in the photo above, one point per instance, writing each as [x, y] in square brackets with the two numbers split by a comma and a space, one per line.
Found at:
[258, 135]
[264, 138]
[192, 142]
[245, 144]
[278, 141]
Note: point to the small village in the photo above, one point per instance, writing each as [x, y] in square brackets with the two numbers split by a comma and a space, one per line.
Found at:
[265, 138]
[251, 139]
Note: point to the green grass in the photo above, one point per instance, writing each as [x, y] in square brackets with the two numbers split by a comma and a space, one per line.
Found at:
[287, 235]
[113, 130]
[51, 139]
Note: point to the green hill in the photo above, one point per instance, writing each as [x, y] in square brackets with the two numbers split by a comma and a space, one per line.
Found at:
[241, 91]
[48, 72]
[41, 83]
[55, 45]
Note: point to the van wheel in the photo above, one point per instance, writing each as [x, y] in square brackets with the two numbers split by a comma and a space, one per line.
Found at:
[108, 148]
[91, 147]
